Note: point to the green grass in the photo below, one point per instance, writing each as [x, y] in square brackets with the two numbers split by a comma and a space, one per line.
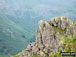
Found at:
[18, 55]
[74, 22]
[62, 31]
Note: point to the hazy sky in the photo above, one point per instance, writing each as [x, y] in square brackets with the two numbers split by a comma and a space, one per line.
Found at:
[41, 7]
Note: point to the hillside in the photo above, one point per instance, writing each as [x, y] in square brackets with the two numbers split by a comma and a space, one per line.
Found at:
[55, 36]
[12, 36]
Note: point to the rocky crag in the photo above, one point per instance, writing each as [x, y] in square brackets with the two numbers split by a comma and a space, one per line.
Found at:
[49, 37]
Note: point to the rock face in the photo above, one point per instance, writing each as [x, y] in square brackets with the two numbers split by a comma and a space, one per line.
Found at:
[48, 38]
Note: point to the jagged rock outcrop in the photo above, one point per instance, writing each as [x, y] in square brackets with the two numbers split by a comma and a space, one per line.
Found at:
[48, 38]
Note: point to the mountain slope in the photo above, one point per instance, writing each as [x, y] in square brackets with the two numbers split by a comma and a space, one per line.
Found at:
[12, 36]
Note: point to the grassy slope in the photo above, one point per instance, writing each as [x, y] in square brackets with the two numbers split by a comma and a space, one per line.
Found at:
[19, 39]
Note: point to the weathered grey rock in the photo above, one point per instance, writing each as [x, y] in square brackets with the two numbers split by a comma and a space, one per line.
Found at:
[61, 48]
[35, 50]
[33, 44]
[26, 53]
[25, 56]
[61, 22]
[47, 34]
[29, 47]
[38, 37]
[57, 38]
[69, 32]
[56, 22]
[52, 22]
[41, 46]
[41, 24]
[46, 50]
[74, 29]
